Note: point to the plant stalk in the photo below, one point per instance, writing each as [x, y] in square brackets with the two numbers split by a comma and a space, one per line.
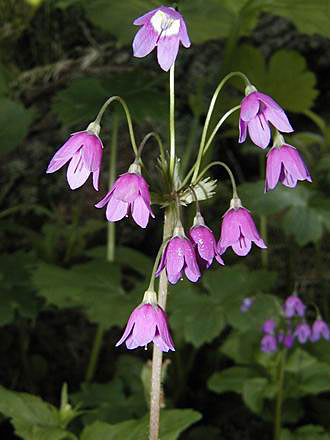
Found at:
[172, 122]
[279, 398]
[97, 343]
[156, 372]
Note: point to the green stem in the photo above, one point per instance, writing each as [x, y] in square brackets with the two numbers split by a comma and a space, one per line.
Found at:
[279, 397]
[97, 343]
[318, 121]
[190, 143]
[128, 117]
[226, 167]
[156, 373]
[209, 115]
[172, 122]
[264, 235]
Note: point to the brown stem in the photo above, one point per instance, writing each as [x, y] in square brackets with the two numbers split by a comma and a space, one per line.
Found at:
[156, 374]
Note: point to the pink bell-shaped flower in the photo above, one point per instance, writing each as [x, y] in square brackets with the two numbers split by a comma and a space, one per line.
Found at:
[147, 323]
[178, 257]
[257, 110]
[238, 230]
[320, 328]
[165, 28]
[84, 151]
[293, 306]
[206, 246]
[130, 192]
[285, 165]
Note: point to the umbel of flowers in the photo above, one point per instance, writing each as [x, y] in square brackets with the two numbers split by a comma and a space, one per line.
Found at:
[183, 253]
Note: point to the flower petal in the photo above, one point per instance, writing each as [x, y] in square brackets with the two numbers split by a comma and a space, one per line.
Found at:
[242, 131]
[92, 152]
[249, 107]
[144, 19]
[116, 209]
[259, 131]
[183, 34]
[77, 173]
[242, 246]
[278, 118]
[273, 168]
[145, 41]
[167, 50]
[140, 212]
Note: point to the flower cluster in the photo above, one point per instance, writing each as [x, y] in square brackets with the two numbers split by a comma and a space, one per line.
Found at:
[292, 326]
[284, 163]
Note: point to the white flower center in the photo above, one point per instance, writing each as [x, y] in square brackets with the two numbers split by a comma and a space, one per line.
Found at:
[164, 24]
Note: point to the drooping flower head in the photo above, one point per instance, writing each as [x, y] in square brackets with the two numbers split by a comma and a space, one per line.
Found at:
[238, 230]
[268, 344]
[163, 27]
[147, 323]
[205, 243]
[269, 326]
[129, 193]
[293, 306]
[285, 165]
[84, 151]
[257, 110]
[320, 328]
[178, 257]
[302, 332]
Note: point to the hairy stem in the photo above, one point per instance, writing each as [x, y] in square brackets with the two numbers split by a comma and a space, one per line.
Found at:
[156, 373]
[172, 122]
[97, 343]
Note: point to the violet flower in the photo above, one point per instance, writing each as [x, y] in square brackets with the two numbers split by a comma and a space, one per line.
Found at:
[246, 304]
[320, 328]
[269, 326]
[238, 230]
[257, 110]
[293, 306]
[302, 332]
[285, 338]
[268, 344]
[178, 257]
[129, 192]
[84, 151]
[147, 323]
[163, 27]
[285, 164]
[205, 243]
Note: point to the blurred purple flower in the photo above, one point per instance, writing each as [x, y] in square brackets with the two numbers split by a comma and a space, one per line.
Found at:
[269, 326]
[285, 338]
[84, 151]
[285, 164]
[268, 344]
[246, 304]
[129, 192]
[238, 230]
[163, 27]
[302, 332]
[203, 238]
[320, 328]
[147, 323]
[179, 256]
[293, 306]
[257, 110]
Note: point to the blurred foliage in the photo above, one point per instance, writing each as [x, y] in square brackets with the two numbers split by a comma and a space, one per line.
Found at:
[60, 60]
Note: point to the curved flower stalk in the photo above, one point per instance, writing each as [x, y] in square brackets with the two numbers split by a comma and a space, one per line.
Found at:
[165, 28]
[84, 151]
[129, 193]
[257, 111]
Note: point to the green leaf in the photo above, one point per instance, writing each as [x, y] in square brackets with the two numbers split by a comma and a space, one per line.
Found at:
[290, 82]
[172, 423]
[254, 393]
[15, 121]
[93, 286]
[32, 418]
[309, 17]
[195, 316]
[80, 102]
[315, 379]
[305, 224]
[242, 347]
[311, 432]
[231, 379]
[298, 360]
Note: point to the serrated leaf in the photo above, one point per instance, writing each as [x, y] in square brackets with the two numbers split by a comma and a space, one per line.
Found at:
[93, 287]
[242, 347]
[231, 379]
[197, 317]
[172, 423]
[254, 393]
[15, 121]
[290, 82]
